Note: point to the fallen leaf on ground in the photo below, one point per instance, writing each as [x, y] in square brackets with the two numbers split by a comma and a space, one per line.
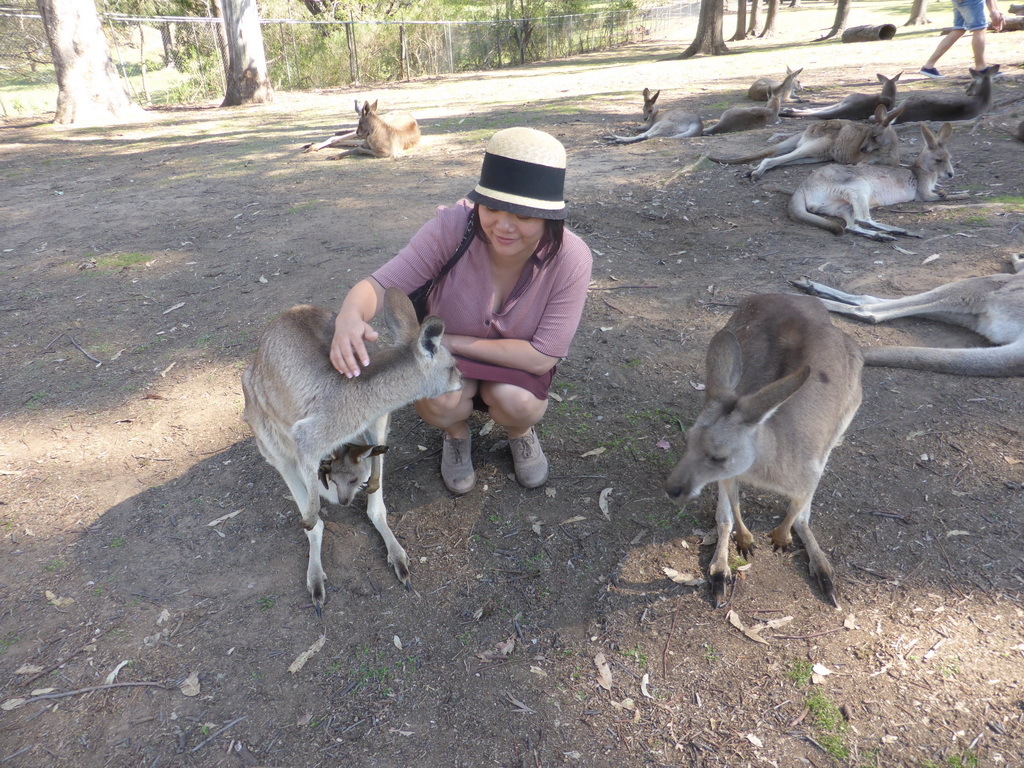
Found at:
[113, 674]
[595, 452]
[643, 685]
[754, 740]
[500, 651]
[520, 707]
[302, 658]
[222, 518]
[602, 502]
[10, 704]
[604, 672]
[28, 669]
[734, 619]
[59, 602]
[190, 685]
[686, 578]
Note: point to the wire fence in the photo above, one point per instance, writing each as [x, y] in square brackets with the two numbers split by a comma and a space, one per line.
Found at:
[175, 60]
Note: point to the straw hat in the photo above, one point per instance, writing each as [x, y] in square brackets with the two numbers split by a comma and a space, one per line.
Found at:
[523, 173]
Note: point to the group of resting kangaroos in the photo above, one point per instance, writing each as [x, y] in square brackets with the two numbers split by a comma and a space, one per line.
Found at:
[856, 135]
[782, 383]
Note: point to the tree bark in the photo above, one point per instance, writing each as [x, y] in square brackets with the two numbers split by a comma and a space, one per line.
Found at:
[709, 37]
[248, 82]
[842, 12]
[89, 90]
[741, 21]
[918, 14]
[755, 13]
[769, 22]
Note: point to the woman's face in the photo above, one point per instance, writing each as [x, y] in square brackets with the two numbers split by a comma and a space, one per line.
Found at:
[511, 236]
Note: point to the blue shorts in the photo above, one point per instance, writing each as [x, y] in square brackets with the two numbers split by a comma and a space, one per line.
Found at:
[969, 15]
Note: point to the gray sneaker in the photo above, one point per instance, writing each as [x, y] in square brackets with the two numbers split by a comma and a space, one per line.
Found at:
[528, 458]
[457, 465]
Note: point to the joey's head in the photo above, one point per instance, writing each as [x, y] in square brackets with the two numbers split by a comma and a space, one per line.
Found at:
[345, 472]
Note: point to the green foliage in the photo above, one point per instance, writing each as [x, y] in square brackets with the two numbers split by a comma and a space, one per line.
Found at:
[800, 672]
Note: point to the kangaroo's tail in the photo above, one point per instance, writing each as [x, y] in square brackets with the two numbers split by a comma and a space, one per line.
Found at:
[798, 212]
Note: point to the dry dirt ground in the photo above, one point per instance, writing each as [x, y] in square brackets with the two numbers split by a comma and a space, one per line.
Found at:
[145, 626]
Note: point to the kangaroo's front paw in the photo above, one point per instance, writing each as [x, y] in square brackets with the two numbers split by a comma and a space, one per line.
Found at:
[315, 583]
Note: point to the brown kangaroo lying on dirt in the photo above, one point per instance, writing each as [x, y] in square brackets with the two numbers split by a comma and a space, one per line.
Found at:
[977, 100]
[839, 141]
[747, 118]
[991, 306]
[761, 89]
[782, 385]
[381, 136]
[854, 106]
[673, 124]
[850, 192]
[302, 411]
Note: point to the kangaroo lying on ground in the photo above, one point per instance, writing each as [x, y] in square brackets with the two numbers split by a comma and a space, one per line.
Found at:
[991, 306]
[977, 100]
[850, 192]
[840, 141]
[747, 118]
[855, 106]
[673, 124]
[302, 410]
[782, 385]
[381, 136]
[762, 88]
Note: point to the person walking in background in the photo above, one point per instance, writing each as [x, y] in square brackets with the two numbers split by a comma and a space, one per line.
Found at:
[968, 16]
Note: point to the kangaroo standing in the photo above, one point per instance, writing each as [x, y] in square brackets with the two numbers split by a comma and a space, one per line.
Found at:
[944, 106]
[762, 88]
[854, 106]
[840, 141]
[782, 385]
[380, 136]
[673, 124]
[850, 192]
[991, 306]
[302, 410]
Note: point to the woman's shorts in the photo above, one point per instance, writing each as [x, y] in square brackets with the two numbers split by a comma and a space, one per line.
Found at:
[536, 385]
[969, 15]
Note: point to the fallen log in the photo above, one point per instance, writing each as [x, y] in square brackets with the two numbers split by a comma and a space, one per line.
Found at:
[869, 33]
[1016, 24]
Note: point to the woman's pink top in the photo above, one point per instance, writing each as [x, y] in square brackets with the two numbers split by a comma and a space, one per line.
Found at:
[543, 308]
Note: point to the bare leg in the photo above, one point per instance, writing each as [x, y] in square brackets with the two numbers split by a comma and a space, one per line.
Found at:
[978, 46]
[512, 407]
[944, 45]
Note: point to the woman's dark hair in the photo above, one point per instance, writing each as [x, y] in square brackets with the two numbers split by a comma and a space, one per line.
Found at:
[551, 241]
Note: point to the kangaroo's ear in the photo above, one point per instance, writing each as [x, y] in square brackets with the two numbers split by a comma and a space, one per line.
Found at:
[430, 335]
[373, 107]
[654, 98]
[944, 133]
[358, 109]
[929, 137]
[723, 366]
[759, 407]
[647, 94]
[400, 316]
[356, 453]
[890, 116]
[879, 116]
[881, 78]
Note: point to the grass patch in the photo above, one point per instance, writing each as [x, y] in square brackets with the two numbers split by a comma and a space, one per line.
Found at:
[1014, 201]
[116, 261]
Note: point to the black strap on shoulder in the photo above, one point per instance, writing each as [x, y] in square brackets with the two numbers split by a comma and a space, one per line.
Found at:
[467, 238]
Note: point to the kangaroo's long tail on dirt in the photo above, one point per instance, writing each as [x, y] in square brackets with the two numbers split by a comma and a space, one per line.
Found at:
[1007, 360]
[798, 212]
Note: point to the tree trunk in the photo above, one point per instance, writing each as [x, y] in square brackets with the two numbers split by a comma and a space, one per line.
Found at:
[741, 21]
[89, 90]
[220, 32]
[755, 13]
[769, 22]
[248, 82]
[842, 12]
[709, 37]
[918, 14]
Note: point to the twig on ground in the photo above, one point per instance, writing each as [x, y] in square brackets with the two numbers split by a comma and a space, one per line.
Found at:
[92, 688]
[75, 345]
[217, 733]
